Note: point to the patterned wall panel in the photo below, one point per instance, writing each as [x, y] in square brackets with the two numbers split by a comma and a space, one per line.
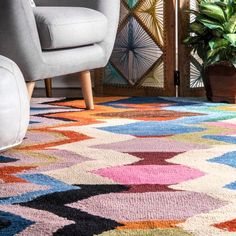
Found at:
[191, 83]
[195, 61]
[139, 56]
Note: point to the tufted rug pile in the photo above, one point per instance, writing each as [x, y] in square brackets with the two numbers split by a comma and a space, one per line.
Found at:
[132, 167]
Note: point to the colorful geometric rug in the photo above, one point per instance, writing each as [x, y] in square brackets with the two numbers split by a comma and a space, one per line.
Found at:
[132, 167]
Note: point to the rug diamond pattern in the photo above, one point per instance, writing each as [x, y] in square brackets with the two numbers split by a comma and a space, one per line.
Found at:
[133, 166]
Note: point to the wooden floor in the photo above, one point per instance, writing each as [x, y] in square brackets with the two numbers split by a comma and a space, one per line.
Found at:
[59, 92]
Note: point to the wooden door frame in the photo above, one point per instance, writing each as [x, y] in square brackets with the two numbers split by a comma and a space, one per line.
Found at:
[170, 54]
[184, 53]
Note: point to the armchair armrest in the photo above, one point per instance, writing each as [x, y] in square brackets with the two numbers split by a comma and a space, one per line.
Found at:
[19, 38]
[111, 9]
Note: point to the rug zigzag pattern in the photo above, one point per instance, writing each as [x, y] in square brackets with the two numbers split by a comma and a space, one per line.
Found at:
[134, 166]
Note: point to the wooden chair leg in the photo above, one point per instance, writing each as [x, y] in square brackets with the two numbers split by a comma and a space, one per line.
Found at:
[86, 85]
[48, 86]
[30, 87]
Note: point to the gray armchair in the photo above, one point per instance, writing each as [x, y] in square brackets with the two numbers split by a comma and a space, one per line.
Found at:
[59, 37]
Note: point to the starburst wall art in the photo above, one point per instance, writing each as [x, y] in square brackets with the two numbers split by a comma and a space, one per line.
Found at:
[138, 56]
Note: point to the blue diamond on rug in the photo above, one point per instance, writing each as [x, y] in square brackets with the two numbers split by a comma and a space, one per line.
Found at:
[231, 186]
[227, 159]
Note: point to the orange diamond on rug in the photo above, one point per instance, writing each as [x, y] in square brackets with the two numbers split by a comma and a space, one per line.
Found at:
[228, 225]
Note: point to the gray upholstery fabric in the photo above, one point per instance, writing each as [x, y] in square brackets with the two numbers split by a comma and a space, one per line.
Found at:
[19, 39]
[81, 26]
[14, 105]
[32, 3]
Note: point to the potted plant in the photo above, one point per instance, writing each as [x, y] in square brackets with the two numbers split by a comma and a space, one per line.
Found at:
[212, 35]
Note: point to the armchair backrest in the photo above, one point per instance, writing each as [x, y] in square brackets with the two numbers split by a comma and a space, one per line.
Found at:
[19, 38]
[79, 3]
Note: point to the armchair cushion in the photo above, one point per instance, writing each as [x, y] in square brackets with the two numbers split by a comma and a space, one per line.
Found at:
[67, 27]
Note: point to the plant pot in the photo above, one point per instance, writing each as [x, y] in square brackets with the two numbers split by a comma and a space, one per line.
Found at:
[220, 83]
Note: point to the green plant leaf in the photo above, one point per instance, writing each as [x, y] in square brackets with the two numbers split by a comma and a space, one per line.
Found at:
[192, 12]
[229, 11]
[231, 38]
[218, 43]
[214, 52]
[230, 26]
[211, 24]
[233, 59]
[191, 40]
[218, 40]
[202, 51]
[217, 33]
[213, 56]
[197, 28]
[213, 11]
[221, 4]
